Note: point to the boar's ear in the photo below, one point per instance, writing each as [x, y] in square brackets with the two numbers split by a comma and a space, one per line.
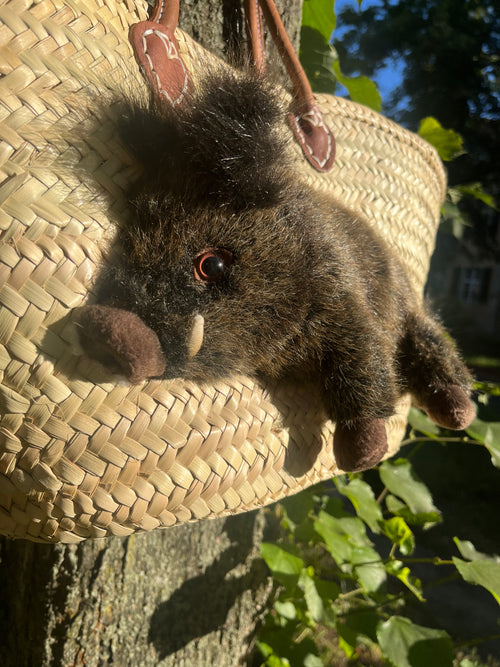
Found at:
[152, 133]
[234, 136]
[225, 143]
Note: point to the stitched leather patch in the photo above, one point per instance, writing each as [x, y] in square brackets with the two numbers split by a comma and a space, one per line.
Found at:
[315, 138]
[157, 54]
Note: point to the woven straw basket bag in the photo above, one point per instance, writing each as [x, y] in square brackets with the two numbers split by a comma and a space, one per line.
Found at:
[80, 456]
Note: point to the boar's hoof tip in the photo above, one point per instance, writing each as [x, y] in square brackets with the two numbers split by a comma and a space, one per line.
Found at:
[359, 445]
[450, 407]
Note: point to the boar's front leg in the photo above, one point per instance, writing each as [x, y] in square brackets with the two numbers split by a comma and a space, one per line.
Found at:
[360, 392]
[359, 445]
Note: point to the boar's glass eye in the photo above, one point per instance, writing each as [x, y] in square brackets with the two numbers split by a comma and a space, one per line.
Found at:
[211, 264]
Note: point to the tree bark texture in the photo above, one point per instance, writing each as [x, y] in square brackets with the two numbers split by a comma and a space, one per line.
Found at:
[182, 596]
[188, 595]
[219, 26]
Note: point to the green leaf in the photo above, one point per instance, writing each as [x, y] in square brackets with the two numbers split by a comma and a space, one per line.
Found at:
[360, 88]
[485, 573]
[347, 638]
[341, 535]
[363, 500]
[312, 660]
[319, 15]
[328, 590]
[449, 144]
[398, 570]
[397, 507]
[362, 622]
[420, 422]
[346, 522]
[281, 644]
[317, 58]
[272, 659]
[399, 477]
[280, 560]
[454, 221]
[368, 568]
[337, 542]
[406, 644]
[264, 648]
[312, 597]
[276, 661]
[398, 531]
[489, 388]
[296, 509]
[355, 529]
[286, 609]
[487, 433]
[476, 191]
[469, 551]
[285, 567]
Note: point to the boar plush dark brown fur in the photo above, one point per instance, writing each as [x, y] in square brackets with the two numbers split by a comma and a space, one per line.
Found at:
[285, 282]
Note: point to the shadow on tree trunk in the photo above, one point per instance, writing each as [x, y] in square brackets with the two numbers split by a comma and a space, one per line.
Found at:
[149, 599]
[214, 592]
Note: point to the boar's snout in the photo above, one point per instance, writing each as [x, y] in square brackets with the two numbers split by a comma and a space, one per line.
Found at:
[121, 341]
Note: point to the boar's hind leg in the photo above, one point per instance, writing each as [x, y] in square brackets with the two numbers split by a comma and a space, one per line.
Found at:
[434, 373]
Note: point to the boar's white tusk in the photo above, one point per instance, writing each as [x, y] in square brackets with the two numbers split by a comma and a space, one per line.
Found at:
[195, 338]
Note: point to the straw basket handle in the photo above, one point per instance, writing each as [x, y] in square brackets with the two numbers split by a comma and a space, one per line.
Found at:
[157, 52]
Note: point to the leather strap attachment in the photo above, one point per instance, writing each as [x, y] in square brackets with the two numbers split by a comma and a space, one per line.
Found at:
[157, 53]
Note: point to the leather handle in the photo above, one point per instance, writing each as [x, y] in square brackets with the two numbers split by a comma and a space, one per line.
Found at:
[255, 34]
[254, 10]
[308, 126]
[157, 52]
[166, 12]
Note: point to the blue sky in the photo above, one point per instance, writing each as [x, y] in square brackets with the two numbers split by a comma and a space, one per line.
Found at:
[388, 77]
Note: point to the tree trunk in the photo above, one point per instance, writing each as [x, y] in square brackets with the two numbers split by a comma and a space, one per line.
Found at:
[218, 25]
[188, 595]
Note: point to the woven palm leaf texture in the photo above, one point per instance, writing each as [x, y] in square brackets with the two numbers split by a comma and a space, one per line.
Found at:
[81, 456]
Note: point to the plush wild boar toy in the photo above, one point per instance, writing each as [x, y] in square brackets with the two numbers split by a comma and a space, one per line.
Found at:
[230, 265]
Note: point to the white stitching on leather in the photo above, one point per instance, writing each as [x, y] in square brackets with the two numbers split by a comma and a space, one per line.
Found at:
[315, 118]
[161, 11]
[172, 54]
